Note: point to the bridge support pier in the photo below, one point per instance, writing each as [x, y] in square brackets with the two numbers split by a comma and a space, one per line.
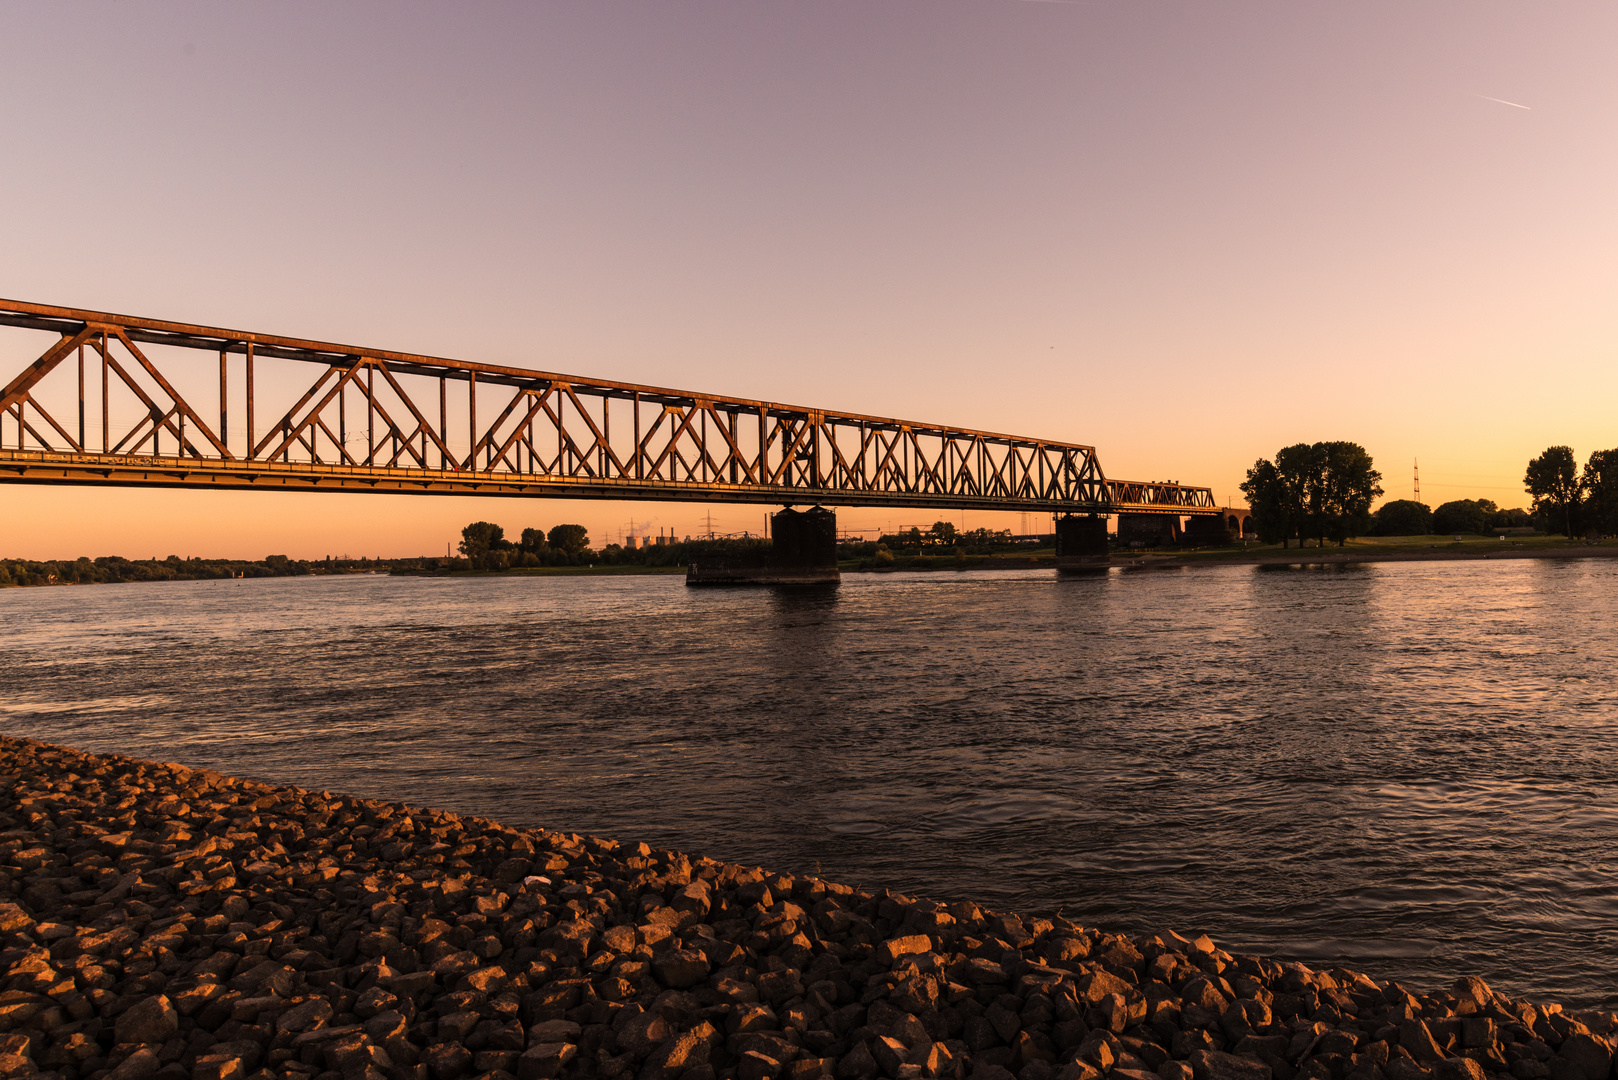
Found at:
[803, 551]
[1203, 531]
[1148, 530]
[1081, 542]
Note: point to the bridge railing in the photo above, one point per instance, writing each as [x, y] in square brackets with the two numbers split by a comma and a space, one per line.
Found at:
[118, 399]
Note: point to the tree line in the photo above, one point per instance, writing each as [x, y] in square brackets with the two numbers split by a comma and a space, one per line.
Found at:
[1566, 500]
[1323, 491]
[944, 534]
[1406, 517]
[485, 547]
[113, 569]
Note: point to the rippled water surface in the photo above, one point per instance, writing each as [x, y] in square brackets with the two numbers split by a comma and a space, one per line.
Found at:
[1411, 767]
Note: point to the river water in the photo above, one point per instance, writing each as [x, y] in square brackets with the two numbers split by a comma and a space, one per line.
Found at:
[1409, 768]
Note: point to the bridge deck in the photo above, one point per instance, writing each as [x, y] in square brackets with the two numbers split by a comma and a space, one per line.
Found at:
[343, 418]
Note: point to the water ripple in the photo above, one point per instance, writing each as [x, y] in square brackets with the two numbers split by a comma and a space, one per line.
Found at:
[1409, 767]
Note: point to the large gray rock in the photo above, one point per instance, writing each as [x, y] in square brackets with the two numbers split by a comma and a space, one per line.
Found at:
[1592, 1055]
[857, 1064]
[1458, 1068]
[686, 1050]
[545, 1061]
[137, 1066]
[153, 1020]
[1418, 1042]
[1217, 1065]
[681, 968]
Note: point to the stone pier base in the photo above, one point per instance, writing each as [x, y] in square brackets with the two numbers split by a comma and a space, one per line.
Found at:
[1148, 530]
[1206, 530]
[803, 551]
[1081, 543]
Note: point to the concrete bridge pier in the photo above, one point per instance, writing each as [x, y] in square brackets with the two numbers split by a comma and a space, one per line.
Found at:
[803, 546]
[1207, 532]
[803, 551]
[1148, 530]
[1081, 542]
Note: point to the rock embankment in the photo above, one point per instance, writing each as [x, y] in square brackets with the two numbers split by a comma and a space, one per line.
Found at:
[162, 922]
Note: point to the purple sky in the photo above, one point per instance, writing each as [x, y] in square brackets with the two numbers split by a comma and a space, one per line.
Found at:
[1186, 233]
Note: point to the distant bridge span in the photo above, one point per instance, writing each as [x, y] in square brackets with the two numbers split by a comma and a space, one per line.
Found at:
[111, 400]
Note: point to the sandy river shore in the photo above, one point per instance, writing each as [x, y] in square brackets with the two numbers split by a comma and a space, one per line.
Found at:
[158, 921]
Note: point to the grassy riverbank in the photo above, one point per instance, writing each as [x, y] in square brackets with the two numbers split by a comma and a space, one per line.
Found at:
[1383, 549]
[1362, 549]
[162, 922]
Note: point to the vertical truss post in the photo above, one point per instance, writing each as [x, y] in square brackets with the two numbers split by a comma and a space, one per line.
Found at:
[370, 414]
[224, 431]
[250, 431]
[815, 419]
[106, 433]
[763, 445]
[640, 472]
[81, 399]
[472, 418]
[443, 421]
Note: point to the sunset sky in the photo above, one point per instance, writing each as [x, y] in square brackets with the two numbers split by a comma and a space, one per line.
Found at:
[1185, 233]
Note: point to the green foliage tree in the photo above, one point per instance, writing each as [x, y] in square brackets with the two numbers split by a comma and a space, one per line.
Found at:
[1403, 517]
[1322, 489]
[1553, 481]
[1299, 467]
[1464, 516]
[1600, 483]
[571, 540]
[532, 541]
[944, 532]
[1342, 492]
[485, 546]
[481, 537]
[1267, 499]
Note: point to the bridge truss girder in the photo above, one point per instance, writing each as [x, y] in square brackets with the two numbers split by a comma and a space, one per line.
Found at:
[371, 420]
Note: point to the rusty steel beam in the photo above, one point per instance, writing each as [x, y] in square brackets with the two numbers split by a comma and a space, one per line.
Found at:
[541, 434]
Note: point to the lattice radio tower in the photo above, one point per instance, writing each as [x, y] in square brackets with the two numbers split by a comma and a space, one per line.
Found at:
[1417, 463]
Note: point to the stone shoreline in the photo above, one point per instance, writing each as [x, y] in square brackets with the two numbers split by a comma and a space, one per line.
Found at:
[158, 921]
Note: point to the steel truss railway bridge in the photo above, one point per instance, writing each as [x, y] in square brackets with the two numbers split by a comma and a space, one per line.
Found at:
[114, 399]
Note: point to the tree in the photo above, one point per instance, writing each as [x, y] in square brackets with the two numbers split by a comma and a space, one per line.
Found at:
[944, 532]
[1300, 467]
[571, 540]
[1403, 517]
[1600, 483]
[1342, 496]
[1553, 483]
[1267, 498]
[532, 541]
[480, 538]
[1463, 516]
